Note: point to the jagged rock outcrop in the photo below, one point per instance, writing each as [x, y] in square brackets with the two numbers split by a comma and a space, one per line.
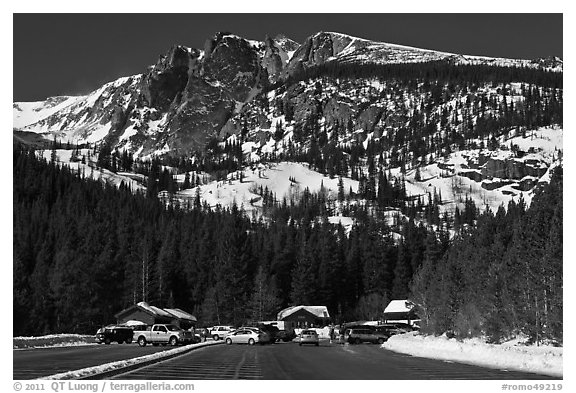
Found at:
[230, 61]
[512, 168]
[168, 77]
[272, 60]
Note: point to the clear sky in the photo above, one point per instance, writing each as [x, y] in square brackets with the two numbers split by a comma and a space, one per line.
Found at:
[71, 54]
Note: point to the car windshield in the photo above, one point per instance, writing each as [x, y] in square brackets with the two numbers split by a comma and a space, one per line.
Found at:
[173, 328]
[308, 332]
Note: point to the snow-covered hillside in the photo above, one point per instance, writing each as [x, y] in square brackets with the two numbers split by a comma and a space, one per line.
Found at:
[491, 178]
[83, 119]
[27, 113]
[90, 170]
[332, 46]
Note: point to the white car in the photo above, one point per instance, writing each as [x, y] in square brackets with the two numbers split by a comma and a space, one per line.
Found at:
[247, 336]
[220, 332]
[309, 337]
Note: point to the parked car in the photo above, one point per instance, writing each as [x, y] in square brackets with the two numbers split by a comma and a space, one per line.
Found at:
[361, 335]
[220, 332]
[201, 334]
[395, 328]
[308, 337]
[248, 336]
[286, 335]
[110, 333]
[285, 330]
[272, 330]
[164, 334]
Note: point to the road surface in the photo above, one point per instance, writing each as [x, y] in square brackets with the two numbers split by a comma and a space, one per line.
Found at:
[326, 362]
[41, 362]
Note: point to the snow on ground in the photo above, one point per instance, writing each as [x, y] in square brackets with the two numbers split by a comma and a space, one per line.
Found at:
[542, 360]
[451, 178]
[545, 140]
[88, 371]
[276, 178]
[26, 113]
[64, 156]
[52, 340]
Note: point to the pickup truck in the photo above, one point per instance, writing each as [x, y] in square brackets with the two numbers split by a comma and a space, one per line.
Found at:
[163, 334]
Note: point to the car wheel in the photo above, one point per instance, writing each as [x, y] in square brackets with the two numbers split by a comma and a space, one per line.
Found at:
[317, 344]
[215, 337]
[300, 344]
[251, 342]
[142, 341]
[380, 340]
[229, 341]
[173, 341]
[357, 341]
[129, 341]
[107, 341]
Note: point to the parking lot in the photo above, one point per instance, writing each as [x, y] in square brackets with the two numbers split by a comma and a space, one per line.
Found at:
[329, 361]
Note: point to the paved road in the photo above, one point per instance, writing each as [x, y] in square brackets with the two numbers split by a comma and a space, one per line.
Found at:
[41, 362]
[328, 361]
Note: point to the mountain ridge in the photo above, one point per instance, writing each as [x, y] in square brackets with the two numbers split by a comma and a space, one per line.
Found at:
[190, 95]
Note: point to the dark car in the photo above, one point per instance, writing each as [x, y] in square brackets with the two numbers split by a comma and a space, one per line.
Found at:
[395, 328]
[119, 334]
[201, 334]
[272, 331]
[286, 335]
[362, 335]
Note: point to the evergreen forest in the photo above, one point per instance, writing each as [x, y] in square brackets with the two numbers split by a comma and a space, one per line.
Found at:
[84, 250]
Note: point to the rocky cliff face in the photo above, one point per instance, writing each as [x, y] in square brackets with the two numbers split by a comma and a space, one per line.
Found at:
[169, 77]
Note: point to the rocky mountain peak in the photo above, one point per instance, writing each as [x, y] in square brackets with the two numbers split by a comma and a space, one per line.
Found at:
[552, 62]
[168, 77]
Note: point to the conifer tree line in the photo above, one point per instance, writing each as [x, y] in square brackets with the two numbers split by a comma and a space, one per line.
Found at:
[84, 250]
[502, 277]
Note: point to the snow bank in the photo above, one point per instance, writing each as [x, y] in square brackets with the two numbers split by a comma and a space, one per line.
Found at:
[542, 360]
[89, 371]
[52, 340]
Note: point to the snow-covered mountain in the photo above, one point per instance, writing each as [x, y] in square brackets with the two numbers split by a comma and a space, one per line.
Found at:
[188, 96]
[463, 138]
[325, 47]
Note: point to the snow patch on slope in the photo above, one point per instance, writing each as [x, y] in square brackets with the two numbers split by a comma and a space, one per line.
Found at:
[26, 113]
[274, 177]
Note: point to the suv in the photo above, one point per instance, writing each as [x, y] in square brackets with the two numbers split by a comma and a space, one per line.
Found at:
[361, 335]
[120, 334]
[272, 331]
[395, 328]
[219, 332]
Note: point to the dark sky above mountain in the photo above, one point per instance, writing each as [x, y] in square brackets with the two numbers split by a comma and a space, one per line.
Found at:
[72, 54]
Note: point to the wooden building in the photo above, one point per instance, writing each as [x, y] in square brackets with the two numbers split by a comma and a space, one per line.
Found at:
[149, 315]
[304, 316]
[400, 311]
